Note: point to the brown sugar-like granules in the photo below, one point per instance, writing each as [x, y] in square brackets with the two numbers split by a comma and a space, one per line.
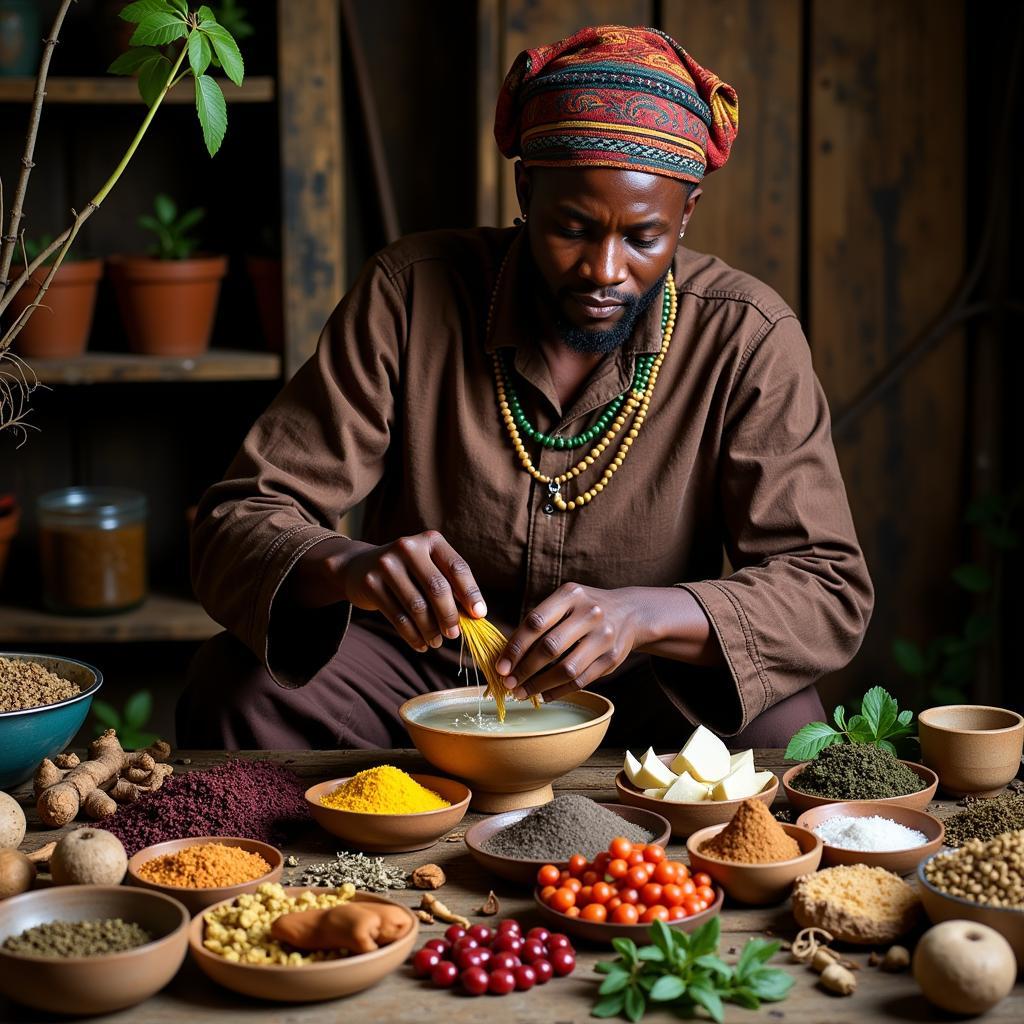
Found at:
[752, 837]
[26, 684]
[208, 866]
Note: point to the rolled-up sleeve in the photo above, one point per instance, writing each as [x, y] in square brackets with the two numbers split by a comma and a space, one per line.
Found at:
[316, 452]
[799, 598]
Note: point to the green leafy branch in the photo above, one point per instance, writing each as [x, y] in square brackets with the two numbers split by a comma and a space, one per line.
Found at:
[684, 972]
[130, 723]
[879, 723]
[173, 241]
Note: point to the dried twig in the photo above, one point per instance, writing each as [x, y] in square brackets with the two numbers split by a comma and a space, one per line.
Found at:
[16, 384]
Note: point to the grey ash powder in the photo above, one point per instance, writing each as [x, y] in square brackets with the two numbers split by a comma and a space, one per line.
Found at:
[569, 824]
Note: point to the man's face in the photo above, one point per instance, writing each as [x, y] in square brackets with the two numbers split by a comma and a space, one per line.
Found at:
[602, 240]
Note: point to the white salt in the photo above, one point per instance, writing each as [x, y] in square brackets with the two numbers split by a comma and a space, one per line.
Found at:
[875, 833]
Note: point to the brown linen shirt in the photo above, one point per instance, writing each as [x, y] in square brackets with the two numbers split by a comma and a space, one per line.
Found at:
[398, 407]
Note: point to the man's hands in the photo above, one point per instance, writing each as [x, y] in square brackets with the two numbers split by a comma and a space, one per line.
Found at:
[569, 640]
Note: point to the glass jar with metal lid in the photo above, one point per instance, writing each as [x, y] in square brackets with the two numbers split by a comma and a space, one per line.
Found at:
[92, 547]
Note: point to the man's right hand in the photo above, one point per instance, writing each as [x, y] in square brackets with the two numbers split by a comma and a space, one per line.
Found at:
[417, 583]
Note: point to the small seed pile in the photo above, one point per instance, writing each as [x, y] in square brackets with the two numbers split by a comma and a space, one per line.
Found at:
[26, 684]
[856, 771]
[370, 874]
[207, 866]
[985, 820]
[78, 938]
[989, 872]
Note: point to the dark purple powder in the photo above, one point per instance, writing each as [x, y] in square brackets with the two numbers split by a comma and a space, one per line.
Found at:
[255, 799]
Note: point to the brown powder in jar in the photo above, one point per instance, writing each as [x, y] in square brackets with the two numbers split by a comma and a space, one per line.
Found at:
[88, 569]
[752, 837]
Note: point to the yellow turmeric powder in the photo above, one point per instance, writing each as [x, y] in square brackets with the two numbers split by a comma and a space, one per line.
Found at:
[383, 790]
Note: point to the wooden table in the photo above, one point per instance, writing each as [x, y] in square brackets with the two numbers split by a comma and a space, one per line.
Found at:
[191, 997]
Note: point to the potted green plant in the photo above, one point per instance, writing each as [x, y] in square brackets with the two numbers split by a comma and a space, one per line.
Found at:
[61, 327]
[168, 299]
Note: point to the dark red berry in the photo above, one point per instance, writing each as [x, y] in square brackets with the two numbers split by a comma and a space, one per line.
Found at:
[441, 945]
[503, 962]
[543, 970]
[556, 940]
[526, 978]
[500, 983]
[540, 934]
[425, 961]
[533, 949]
[507, 942]
[444, 974]
[562, 962]
[510, 924]
[454, 932]
[474, 980]
[481, 933]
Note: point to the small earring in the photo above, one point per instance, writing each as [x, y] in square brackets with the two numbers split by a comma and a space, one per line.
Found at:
[681, 233]
[519, 221]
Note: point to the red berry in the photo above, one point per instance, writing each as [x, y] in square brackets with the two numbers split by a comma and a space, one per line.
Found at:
[469, 957]
[543, 970]
[441, 945]
[474, 980]
[484, 955]
[533, 949]
[444, 974]
[454, 932]
[425, 961]
[563, 961]
[510, 924]
[556, 940]
[464, 943]
[504, 962]
[541, 934]
[481, 933]
[501, 982]
[507, 942]
[526, 977]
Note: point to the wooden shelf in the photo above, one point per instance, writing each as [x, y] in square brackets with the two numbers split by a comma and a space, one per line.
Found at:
[162, 617]
[118, 367]
[258, 89]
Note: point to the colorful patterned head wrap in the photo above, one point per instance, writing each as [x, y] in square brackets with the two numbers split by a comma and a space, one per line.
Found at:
[612, 96]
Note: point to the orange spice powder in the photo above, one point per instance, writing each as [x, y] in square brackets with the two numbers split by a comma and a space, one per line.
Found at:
[752, 837]
[208, 866]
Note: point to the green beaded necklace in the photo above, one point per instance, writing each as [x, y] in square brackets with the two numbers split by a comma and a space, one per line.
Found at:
[641, 378]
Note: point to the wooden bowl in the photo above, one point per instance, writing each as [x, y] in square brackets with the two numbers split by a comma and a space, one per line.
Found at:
[525, 871]
[901, 862]
[325, 979]
[391, 833]
[198, 899]
[92, 984]
[940, 906]
[507, 770]
[602, 934]
[918, 801]
[974, 748]
[687, 818]
[756, 884]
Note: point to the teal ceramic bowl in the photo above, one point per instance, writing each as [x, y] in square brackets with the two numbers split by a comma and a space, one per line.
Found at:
[26, 737]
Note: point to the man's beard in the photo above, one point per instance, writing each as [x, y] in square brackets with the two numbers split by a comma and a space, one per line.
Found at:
[594, 342]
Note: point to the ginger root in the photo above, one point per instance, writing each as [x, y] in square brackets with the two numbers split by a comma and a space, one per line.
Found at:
[66, 785]
[357, 926]
[432, 905]
[838, 979]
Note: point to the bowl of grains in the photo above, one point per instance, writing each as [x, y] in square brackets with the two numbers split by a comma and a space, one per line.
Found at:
[385, 810]
[876, 833]
[43, 703]
[89, 949]
[517, 844]
[233, 943]
[755, 858]
[204, 870]
[859, 771]
[983, 882]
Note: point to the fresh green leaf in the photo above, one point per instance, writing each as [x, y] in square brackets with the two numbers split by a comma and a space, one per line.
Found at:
[753, 954]
[166, 208]
[108, 716]
[770, 984]
[152, 79]
[137, 709]
[714, 964]
[909, 657]
[143, 8]
[610, 1006]
[626, 948]
[809, 741]
[180, 5]
[879, 711]
[704, 939]
[905, 717]
[886, 745]
[975, 578]
[615, 982]
[199, 53]
[227, 51]
[650, 954]
[606, 967]
[706, 996]
[131, 60]
[858, 730]
[667, 988]
[213, 112]
[206, 16]
[159, 30]
[635, 1004]
[745, 998]
[839, 717]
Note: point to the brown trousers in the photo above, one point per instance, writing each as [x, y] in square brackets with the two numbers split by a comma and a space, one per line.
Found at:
[232, 703]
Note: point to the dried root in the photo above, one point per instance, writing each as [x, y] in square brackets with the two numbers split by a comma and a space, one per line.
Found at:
[432, 905]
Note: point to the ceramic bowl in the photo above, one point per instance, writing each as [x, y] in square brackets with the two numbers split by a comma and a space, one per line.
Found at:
[507, 770]
[918, 801]
[901, 862]
[92, 984]
[523, 871]
[756, 884]
[198, 899]
[687, 818]
[940, 906]
[602, 934]
[27, 736]
[325, 979]
[973, 748]
[391, 833]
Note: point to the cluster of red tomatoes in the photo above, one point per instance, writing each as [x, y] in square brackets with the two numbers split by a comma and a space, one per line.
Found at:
[629, 883]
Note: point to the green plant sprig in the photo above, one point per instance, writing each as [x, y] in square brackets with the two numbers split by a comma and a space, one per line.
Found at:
[879, 723]
[129, 724]
[173, 241]
[683, 972]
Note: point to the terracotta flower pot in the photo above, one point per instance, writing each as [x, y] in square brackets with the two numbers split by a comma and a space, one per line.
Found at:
[9, 517]
[168, 306]
[60, 327]
[265, 275]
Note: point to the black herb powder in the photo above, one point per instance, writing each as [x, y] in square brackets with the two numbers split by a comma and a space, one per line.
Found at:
[856, 771]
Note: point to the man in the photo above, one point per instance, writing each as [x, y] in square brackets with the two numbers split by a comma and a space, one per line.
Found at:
[559, 425]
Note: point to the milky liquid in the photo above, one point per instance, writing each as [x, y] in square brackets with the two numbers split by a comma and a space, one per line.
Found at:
[473, 716]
